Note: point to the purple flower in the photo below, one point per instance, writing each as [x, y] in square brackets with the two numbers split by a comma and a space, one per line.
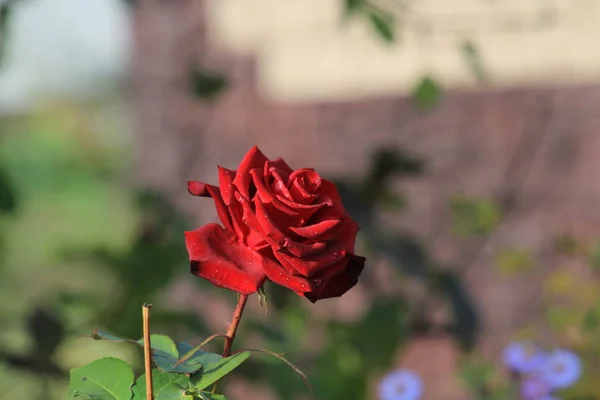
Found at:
[535, 388]
[523, 357]
[562, 369]
[401, 385]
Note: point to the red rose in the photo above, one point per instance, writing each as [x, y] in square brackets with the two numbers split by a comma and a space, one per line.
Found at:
[279, 224]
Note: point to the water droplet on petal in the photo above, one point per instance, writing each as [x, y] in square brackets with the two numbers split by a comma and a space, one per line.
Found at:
[318, 281]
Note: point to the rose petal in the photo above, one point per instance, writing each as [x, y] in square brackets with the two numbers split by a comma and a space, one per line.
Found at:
[310, 265]
[197, 188]
[223, 261]
[309, 178]
[303, 184]
[253, 159]
[303, 249]
[280, 164]
[226, 177]
[257, 235]
[278, 239]
[307, 209]
[326, 286]
[242, 231]
[299, 193]
[271, 230]
[279, 185]
[278, 274]
[266, 196]
[347, 234]
[222, 210]
[328, 193]
[319, 231]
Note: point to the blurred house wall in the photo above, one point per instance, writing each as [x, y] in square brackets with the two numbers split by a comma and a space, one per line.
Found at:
[305, 51]
[299, 90]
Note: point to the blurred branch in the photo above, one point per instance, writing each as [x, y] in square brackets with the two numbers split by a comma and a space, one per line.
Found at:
[32, 365]
[519, 168]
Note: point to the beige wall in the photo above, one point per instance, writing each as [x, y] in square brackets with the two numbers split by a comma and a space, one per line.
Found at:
[305, 52]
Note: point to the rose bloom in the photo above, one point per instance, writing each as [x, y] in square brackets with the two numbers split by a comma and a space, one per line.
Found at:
[287, 226]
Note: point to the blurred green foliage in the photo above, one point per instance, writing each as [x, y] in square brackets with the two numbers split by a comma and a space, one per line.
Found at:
[474, 61]
[427, 94]
[514, 261]
[381, 20]
[206, 84]
[474, 217]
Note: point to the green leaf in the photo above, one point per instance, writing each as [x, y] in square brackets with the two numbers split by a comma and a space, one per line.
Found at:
[174, 392]
[104, 379]
[168, 355]
[165, 386]
[351, 6]
[97, 334]
[427, 94]
[473, 60]
[190, 357]
[213, 372]
[210, 396]
[383, 24]
[207, 84]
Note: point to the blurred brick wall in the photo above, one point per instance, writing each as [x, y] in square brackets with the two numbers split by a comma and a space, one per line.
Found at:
[534, 150]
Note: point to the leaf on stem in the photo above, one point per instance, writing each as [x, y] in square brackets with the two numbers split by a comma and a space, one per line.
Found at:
[211, 373]
[168, 355]
[166, 386]
[104, 379]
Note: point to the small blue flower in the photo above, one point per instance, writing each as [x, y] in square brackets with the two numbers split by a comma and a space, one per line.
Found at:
[562, 369]
[401, 385]
[523, 357]
[535, 388]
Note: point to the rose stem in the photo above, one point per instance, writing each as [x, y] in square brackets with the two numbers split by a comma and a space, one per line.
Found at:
[147, 350]
[230, 335]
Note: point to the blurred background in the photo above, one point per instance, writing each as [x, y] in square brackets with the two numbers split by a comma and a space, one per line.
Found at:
[463, 135]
